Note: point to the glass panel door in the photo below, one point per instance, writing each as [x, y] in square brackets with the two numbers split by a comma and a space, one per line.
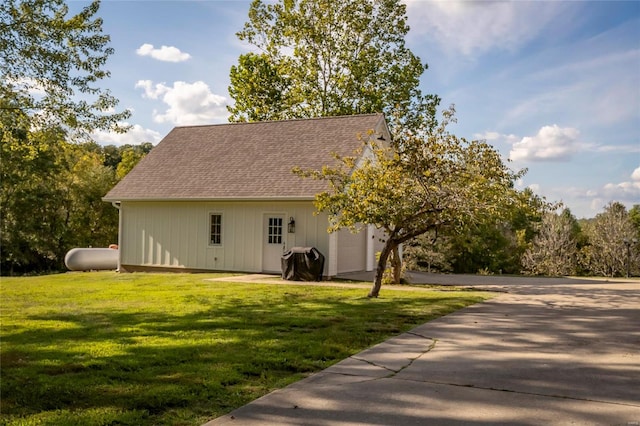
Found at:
[274, 233]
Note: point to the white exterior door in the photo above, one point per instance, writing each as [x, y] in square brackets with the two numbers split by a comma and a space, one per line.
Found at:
[273, 242]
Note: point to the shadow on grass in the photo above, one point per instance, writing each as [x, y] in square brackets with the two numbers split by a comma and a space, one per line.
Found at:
[160, 368]
[561, 355]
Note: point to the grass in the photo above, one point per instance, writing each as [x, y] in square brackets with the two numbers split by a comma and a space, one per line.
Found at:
[103, 348]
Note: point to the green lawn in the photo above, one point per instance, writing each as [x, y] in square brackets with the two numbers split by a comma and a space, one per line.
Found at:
[105, 348]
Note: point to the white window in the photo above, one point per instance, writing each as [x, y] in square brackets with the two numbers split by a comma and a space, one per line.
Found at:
[215, 236]
[275, 230]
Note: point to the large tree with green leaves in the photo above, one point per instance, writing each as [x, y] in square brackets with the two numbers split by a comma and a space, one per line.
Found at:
[50, 64]
[323, 57]
[427, 179]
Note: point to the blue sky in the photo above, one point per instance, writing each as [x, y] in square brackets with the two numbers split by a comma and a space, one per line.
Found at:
[553, 85]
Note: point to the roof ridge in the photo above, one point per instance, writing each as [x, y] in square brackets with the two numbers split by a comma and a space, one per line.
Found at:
[371, 114]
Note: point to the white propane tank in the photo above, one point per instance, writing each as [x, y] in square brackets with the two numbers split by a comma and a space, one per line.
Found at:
[85, 259]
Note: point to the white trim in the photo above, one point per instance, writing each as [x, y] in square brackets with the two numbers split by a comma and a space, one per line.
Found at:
[332, 269]
[221, 243]
[371, 253]
[212, 199]
[118, 206]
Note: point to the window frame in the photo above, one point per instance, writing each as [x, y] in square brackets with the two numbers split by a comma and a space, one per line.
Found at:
[275, 232]
[217, 243]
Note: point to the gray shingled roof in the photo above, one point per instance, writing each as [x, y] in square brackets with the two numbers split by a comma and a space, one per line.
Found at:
[243, 160]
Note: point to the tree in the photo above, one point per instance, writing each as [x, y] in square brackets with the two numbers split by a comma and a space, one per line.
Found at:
[90, 221]
[29, 194]
[554, 250]
[49, 65]
[52, 203]
[258, 89]
[494, 244]
[608, 234]
[428, 252]
[483, 246]
[130, 155]
[634, 216]
[321, 57]
[424, 181]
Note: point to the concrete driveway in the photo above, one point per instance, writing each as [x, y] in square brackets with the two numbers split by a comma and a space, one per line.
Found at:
[544, 352]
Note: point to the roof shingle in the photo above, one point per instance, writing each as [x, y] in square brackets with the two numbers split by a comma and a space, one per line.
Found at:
[243, 160]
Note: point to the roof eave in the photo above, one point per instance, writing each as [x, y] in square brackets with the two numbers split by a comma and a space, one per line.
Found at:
[209, 199]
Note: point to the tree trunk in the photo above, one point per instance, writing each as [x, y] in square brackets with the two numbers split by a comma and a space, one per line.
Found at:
[382, 264]
[396, 263]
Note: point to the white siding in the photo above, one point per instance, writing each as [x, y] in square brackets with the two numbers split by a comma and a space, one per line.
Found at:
[176, 234]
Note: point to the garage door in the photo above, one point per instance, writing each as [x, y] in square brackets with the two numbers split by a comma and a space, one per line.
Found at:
[352, 251]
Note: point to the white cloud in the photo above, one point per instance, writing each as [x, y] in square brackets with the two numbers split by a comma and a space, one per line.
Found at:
[615, 148]
[629, 190]
[496, 137]
[534, 187]
[597, 205]
[188, 103]
[475, 27]
[585, 202]
[623, 189]
[552, 143]
[135, 136]
[164, 53]
[490, 136]
[151, 91]
[627, 193]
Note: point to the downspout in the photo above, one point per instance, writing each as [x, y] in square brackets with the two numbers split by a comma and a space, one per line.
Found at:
[117, 205]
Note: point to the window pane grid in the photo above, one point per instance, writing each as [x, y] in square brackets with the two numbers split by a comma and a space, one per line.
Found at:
[275, 230]
[216, 229]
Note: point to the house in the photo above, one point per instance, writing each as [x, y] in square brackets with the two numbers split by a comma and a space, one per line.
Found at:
[224, 198]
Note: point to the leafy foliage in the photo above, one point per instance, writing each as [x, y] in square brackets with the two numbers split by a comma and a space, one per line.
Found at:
[258, 88]
[554, 250]
[50, 64]
[130, 155]
[613, 245]
[320, 58]
[51, 199]
[494, 244]
[428, 252]
[634, 216]
[50, 67]
[426, 180]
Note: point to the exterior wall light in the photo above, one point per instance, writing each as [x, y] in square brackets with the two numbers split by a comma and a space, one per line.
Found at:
[291, 226]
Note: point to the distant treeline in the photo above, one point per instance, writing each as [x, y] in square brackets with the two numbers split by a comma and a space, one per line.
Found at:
[551, 244]
[51, 199]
